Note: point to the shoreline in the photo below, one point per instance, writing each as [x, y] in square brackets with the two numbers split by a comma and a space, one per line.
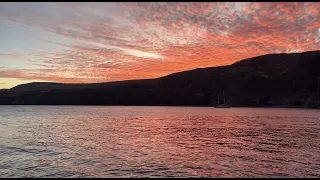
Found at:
[276, 106]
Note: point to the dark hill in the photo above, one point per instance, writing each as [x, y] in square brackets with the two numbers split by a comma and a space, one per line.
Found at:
[268, 80]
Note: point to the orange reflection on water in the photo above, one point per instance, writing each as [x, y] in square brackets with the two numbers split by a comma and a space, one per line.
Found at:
[165, 141]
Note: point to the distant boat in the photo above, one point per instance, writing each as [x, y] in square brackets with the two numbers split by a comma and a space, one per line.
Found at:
[224, 105]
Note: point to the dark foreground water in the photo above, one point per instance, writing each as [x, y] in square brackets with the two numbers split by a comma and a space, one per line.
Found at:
[83, 141]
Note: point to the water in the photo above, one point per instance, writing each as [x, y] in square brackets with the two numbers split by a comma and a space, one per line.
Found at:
[97, 141]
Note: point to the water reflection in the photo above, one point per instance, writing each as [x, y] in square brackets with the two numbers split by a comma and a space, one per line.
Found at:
[66, 141]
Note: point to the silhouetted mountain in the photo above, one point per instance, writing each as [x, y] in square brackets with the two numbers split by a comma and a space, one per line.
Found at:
[268, 80]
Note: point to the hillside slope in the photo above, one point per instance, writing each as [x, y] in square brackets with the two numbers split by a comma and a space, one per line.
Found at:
[268, 80]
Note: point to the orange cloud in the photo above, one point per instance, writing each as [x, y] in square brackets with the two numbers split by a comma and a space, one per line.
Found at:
[119, 41]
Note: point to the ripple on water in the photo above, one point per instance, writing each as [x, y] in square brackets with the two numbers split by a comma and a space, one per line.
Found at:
[80, 141]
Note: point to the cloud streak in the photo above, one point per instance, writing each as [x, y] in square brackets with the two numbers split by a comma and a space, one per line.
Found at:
[104, 41]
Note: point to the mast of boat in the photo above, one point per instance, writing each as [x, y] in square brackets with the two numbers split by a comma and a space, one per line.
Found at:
[224, 99]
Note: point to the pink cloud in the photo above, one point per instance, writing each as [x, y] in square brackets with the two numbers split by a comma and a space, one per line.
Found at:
[118, 41]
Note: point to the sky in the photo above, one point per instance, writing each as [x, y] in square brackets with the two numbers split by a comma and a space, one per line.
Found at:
[88, 42]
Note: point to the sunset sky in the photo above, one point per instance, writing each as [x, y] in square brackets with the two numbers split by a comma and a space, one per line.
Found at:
[102, 41]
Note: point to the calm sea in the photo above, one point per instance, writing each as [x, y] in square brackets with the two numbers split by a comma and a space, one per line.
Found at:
[114, 141]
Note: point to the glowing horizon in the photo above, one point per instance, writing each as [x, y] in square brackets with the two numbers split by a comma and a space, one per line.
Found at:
[102, 41]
